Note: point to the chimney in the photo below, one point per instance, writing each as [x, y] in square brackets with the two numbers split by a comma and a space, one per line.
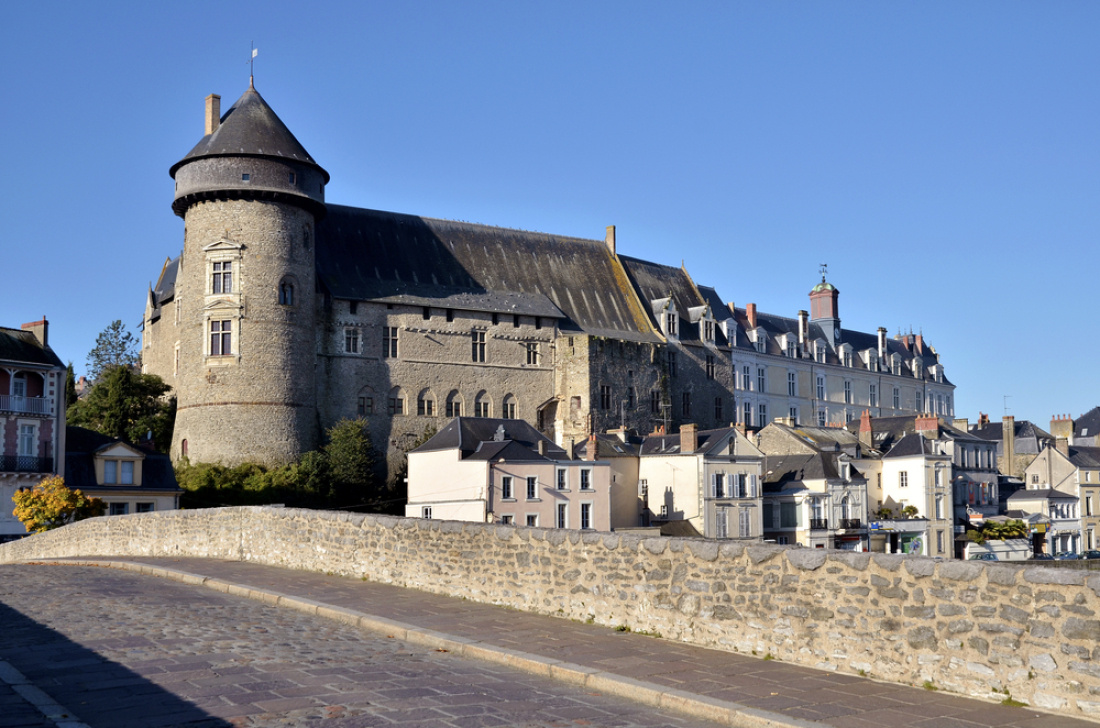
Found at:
[803, 329]
[903, 340]
[961, 423]
[881, 343]
[542, 447]
[41, 331]
[1062, 445]
[866, 433]
[928, 425]
[742, 428]
[1061, 426]
[213, 113]
[570, 447]
[983, 419]
[689, 440]
[590, 449]
[609, 238]
[920, 343]
[619, 432]
[750, 313]
[1008, 436]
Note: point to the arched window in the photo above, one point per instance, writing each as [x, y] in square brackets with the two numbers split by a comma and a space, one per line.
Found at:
[454, 404]
[509, 407]
[364, 404]
[395, 403]
[425, 403]
[482, 407]
[286, 292]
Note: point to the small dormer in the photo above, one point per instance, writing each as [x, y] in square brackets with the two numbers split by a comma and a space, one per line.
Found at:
[846, 354]
[918, 367]
[870, 359]
[702, 316]
[759, 338]
[895, 364]
[668, 318]
[788, 343]
[820, 347]
[118, 464]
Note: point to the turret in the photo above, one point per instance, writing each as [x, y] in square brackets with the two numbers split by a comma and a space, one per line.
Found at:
[250, 196]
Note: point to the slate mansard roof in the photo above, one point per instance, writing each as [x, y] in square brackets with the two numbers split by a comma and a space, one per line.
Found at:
[81, 446]
[23, 347]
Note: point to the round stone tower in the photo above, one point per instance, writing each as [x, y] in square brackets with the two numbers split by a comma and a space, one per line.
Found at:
[250, 197]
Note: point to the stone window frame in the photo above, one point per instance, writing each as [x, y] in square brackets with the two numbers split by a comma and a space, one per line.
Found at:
[224, 251]
[483, 404]
[561, 479]
[585, 480]
[562, 515]
[285, 291]
[425, 403]
[353, 335]
[390, 342]
[477, 343]
[507, 489]
[509, 406]
[588, 511]
[533, 354]
[395, 402]
[532, 485]
[454, 404]
[222, 311]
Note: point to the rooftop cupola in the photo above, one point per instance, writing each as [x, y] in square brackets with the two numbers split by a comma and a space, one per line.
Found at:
[248, 153]
[824, 310]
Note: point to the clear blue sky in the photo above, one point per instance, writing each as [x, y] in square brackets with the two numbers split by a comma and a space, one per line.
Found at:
[941, 157]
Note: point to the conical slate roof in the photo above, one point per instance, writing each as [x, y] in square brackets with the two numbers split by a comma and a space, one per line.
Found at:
[250, 128]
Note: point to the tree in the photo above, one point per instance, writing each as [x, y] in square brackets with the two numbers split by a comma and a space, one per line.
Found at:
[52, 504]
[114, 347]
[126, 405]
[70, 386]
[351, 463]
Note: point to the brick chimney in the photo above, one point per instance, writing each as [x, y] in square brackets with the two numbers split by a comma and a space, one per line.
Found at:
[609, 238]
[1061, 426]
[689, 439]
[927, 425]
[1008, 436]
[983, 419]
[1062, 445]
[41, 331]
[919, 345]
[903, 340]
[213, 113]
[750, 314]
[590, 449]
[866, 432]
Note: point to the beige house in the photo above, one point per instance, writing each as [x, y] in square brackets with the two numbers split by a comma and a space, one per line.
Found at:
[505, 471]
[130, 479]
[1063, 483]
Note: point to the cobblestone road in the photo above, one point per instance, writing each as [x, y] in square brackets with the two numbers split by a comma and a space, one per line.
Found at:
[120, 649]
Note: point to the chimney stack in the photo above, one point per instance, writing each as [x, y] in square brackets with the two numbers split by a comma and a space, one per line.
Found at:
[961, 423]
[1062, 445]
[41, 331]
[590, 449]
[920, 343]
[881, 343]
[803, 328]
[1061, 426]
[983, 419]
[866, 433]
[750, 314]
[542, 447]
[609, 238]
[213, 113]
[928, 425]
[1008, 437]
[689, 440]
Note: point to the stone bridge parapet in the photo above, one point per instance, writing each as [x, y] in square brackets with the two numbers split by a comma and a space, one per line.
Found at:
[975, 628]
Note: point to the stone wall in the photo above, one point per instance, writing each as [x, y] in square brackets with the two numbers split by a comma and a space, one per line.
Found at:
[987, 630]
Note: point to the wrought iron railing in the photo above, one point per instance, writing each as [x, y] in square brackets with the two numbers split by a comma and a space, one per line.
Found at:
[819, 524]
[25, 464]
[849, 523]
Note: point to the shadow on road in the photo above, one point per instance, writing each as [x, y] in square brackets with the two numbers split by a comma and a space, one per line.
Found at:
[99, 692]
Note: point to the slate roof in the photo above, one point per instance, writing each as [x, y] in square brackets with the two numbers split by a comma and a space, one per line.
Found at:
[370, 255]
[1085, 457]
[475, 438]
[785, 472]
[656, 282]
[1023, 430]
[23, 347]
[1088, 424]
[888, 432]
[610, 446]
[670, 444]
[1041, 493]
[250, 128]
[81, 445]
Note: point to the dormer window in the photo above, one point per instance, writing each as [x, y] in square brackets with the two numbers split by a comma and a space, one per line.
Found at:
[670, 323]
[760, 341]
[708, 330]
[819, 352]
[118, 472]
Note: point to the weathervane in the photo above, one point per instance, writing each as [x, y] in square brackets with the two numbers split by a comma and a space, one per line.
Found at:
[251, 60]
[824, 269]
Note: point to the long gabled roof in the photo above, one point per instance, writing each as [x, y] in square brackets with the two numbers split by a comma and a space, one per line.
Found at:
[490, 438]
[250, 128]
[370, 255]
[1088, 424]
[1022, 429]
[23, 347]
[656, 282]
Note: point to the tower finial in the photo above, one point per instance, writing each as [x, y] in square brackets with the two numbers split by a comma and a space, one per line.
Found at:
[251, 60]
[824, 269]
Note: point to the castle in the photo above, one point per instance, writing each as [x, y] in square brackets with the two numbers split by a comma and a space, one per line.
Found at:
[284, 314]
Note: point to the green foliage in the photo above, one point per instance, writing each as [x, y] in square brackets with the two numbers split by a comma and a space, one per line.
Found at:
[114, 347]
[910, 511]
[339, 475]
[70, 386]
[399, 484]
[52, 504]
[127, 406]
[997, 531]
[884, 513]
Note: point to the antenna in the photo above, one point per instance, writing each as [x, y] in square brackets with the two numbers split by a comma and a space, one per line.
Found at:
[1006, 398]
[251, 60]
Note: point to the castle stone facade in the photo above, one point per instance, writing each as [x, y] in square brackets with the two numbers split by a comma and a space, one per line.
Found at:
[284, 314]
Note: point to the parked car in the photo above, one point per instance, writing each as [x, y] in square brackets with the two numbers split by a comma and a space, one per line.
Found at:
[1066, 556]
[1091, 554]
[984, 557]
[1042, 557]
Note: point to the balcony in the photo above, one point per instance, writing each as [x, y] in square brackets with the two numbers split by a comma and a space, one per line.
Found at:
[849, 524]
[26, 405]
[819, 524]
[25, 464]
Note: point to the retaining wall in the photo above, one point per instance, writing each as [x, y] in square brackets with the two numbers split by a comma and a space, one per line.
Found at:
[974, 628]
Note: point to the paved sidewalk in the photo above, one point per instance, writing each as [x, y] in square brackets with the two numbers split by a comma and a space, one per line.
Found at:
[725, 687]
